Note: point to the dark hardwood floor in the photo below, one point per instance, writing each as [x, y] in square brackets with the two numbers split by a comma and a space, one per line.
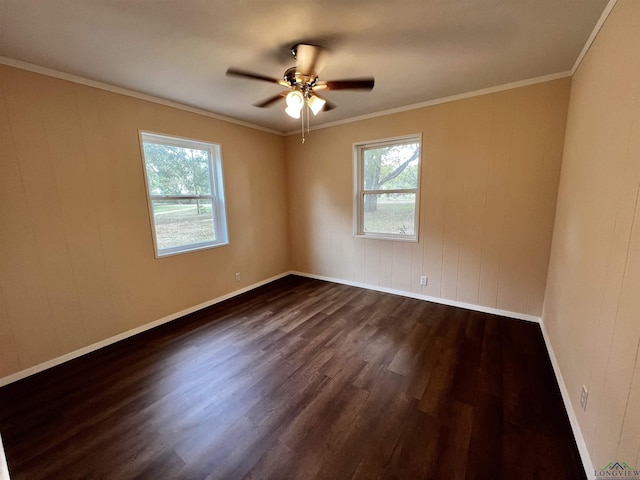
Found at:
[300, 379]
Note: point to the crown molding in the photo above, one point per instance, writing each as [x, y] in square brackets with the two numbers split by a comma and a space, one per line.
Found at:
[129, 93]
[452, 98]
[438, 101]
[594, 34]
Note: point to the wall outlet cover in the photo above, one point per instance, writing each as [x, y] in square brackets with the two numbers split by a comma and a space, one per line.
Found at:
[584, 395]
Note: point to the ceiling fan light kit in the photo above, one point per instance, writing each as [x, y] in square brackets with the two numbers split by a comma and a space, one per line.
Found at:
[302, 81]
[295, 102]
[316, 104]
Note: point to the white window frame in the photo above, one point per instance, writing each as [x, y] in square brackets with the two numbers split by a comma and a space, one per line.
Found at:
[359, 190]
[217, 198]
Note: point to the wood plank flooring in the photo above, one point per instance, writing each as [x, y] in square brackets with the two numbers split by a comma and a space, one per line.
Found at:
[300, 379]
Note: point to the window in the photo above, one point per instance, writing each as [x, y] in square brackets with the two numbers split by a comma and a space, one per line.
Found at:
[185, 192]
[387, 188]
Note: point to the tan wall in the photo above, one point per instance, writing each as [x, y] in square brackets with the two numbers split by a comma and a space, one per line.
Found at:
[76, 255]
[592, 305]
[490, 172]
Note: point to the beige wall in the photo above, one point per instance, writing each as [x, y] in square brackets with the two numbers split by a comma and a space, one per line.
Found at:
[76, 255]
[592, 305]
[490, 172]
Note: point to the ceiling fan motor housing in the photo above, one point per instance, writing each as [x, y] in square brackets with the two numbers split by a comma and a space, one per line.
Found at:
[297, 79]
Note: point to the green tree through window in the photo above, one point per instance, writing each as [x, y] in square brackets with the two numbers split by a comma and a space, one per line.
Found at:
[184, 185]
[387, 187]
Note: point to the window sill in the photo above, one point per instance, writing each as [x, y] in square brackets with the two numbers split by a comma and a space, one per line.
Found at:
[382, 236]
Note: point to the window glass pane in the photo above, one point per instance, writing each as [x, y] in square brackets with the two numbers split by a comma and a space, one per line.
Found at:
[183, 222]
[391, 167]
[390, 213]
[185, 193]
[177, 170]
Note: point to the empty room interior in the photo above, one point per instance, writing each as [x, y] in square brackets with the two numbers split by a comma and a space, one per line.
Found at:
[320, 240]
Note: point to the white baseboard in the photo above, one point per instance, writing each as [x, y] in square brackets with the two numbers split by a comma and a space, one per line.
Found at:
[573, 420]
[121, 336]
[443, 301]
[566, 398]
[577, 433]
[4, 469]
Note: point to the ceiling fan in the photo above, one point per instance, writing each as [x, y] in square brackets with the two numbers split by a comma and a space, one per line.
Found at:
[303, 83]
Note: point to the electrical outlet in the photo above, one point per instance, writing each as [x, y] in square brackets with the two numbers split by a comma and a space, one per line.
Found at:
[424, 280]
[584, 394]
[238, 277]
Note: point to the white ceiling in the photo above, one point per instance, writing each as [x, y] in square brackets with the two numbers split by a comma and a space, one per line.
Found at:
[417, 50]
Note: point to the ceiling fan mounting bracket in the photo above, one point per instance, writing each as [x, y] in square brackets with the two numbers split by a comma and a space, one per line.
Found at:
[294, 48]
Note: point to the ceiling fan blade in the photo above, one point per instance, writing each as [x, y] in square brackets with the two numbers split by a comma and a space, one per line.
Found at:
[271, 100]
[235, 72]
[327, 105]
[348, 84]
[310, 59]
